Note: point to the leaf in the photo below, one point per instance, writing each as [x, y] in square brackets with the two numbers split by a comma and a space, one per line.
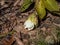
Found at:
[5, 34]
[40, 9]
[33, 18]
[9, 41]
[51, 5]
[57, 12]
[26, 4]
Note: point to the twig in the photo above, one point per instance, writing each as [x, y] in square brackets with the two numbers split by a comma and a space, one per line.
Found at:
[16, 2]
[19, 41]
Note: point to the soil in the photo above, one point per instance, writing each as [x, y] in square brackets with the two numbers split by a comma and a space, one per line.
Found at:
[12, 29]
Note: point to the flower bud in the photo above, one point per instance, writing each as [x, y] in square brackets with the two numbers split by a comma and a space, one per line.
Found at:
[31, 22]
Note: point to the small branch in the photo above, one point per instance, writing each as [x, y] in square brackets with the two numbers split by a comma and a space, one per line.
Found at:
[19, 41]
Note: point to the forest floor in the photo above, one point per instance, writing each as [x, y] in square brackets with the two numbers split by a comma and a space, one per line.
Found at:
[12, 31]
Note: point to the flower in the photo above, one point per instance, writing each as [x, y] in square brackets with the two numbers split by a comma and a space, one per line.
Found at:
[31, 22]
[28, 24]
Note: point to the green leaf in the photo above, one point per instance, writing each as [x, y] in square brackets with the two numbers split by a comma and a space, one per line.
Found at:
[40, 9]
[5, 34]
[57, 12]
[26, 4]
[51, 5]
[33, 18]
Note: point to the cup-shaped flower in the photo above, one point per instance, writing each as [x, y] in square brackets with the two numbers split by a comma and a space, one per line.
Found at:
[31, 22]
